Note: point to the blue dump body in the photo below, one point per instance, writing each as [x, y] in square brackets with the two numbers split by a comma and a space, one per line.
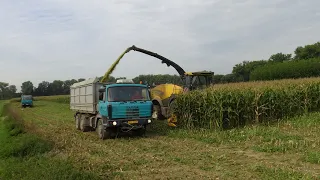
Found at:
[26, 100]
[126, 103]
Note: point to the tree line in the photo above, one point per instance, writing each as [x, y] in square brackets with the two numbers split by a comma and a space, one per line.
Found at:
[59, 87]
[305, 62]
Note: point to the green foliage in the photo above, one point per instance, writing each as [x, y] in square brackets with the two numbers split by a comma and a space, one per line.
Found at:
[64, 99]
[244, 69]
[7, 91]
[27, 88]
[308, 51]
[230, 78]
[239, 105]
[280, 57]
[217, 78]
[287, 70]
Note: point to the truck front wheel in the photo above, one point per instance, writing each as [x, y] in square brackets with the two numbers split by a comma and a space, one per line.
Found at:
[102, 132]
[77, 120]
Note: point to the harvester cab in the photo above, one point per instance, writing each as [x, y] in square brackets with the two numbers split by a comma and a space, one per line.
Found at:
[197, 80]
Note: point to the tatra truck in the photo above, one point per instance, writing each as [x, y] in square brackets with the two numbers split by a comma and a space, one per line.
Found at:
[111, 108]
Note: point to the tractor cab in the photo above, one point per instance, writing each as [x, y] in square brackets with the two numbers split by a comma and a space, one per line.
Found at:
[198, 80]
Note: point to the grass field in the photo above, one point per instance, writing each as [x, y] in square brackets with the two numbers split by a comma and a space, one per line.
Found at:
[286, 150]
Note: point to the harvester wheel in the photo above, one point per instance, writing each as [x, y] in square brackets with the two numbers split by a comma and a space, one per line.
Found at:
[172, 119]
[157, 113]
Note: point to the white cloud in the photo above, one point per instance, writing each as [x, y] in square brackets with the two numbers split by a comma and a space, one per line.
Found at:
[57, 39]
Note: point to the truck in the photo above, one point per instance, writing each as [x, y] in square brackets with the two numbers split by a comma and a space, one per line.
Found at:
[111, 108]
[26, 100]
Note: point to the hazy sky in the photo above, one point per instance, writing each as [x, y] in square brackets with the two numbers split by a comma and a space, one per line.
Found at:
[60, 39]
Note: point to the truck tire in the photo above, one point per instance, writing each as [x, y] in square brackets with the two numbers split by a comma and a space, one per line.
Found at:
[102, 132]
[77, 120]
[83, 126]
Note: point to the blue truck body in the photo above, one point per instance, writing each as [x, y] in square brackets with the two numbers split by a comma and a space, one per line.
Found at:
[26, 100]
[116, 108]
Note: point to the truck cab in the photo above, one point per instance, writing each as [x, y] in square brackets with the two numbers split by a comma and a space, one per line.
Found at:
[26, 100]
[124, 106]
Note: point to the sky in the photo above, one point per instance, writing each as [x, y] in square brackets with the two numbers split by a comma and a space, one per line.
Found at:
[46, 40]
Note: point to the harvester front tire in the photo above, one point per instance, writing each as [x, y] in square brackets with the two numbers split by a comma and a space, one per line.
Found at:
[157, 113]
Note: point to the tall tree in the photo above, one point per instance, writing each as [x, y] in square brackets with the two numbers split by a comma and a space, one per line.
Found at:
[27, 87]
[280, 57]
[243, 70]
[42, 89]
[308, 51]
[217, 78]
[3, 90]
[67, 84]
[12, 89]
[56, 87]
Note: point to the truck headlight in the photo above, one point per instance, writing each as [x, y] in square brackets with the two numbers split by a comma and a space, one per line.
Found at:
[149, 121]
[114, 123]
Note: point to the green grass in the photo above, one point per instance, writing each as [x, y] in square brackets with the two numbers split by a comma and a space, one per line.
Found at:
[288, 149]
[313, 157]
[279, 173]
[25, 156]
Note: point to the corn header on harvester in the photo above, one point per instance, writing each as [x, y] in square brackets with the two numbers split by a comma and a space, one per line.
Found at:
[164, 95]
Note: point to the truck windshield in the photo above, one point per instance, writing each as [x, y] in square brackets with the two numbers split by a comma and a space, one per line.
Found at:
[128, 93]
[27, 98]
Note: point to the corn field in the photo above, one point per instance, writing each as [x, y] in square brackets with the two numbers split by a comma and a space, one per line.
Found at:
[239, 104]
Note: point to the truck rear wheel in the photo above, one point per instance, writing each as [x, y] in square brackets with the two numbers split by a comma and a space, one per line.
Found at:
[77, 120]
[83, 124]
